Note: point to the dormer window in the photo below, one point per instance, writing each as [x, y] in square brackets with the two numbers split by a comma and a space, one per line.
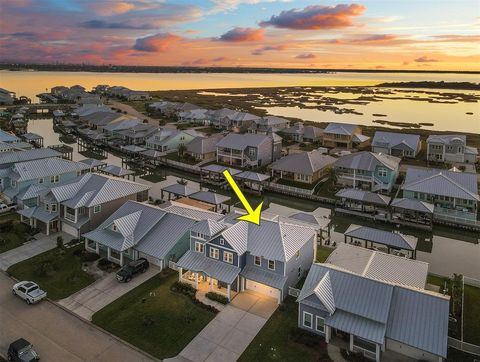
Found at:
[54, 179]
[257, 260]
[97, 209]
[114, 227]
[271, 264]
[222, 241]
[41, 180]
[53, 207]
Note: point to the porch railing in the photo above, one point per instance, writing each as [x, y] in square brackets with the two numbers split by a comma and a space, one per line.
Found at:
[172, 265]
[294, 292]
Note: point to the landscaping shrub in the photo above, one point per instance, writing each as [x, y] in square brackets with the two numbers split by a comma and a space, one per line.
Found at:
[106, 265]
[88, 257]
[6, 226]
[217, 297]
[352, 356]
[308, 339]
[59, 242]
[184, 288]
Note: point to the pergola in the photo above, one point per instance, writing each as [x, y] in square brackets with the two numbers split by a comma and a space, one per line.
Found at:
[33, 138]
[251, 180]
[93, 163]
[214, 174]
[212, 198]
[117, 171]
[412, 210]
[362, 200]
[177, 190]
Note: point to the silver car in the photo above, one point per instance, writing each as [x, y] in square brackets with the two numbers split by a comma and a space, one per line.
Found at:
[29, 292]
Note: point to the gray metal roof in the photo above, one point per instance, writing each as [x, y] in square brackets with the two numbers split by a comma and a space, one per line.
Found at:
[264, 276]
[311, 219]
[447, 138]
[412, 204]
[133, 148]
[31, 191]
[252, 176]
[92, 162]
[190, 211]
[393, 139]
[31, 136]
[208, 227]
[341, 128]
[364, 196]
[38, 213]
[462, 185]
[27, 155]
[357, 325]
[368, 161]
[178, 189]
[35, 169]
[219, 169]
[381, 266]
[305, 163]
[219, 270]
[8, 137]
[116, 170]
[392, 239]
[210, 197]
[238, 141]
[202, 145]
[311, 132]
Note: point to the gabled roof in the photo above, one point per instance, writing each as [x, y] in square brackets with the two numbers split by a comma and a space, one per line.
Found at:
[210, 197]
[27, 155]
[35, 169]
[413, 204]
[341, 128]
[364, 196]
[179, 189]
[219, 169]
[305, 163]
[447, 138]
[252, 176]
[392, 139]
[8, 137]
[241, 141]
[461, 185]
[310, 218]
[392, 239]
[368, 161]
[116, 170]
[202, 145]
[208, 227]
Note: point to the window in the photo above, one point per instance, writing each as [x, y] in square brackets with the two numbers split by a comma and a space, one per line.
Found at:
[228, 257]
[257, 260]
[307, 319]
[200, 236]
[214, 253]
[320, 325]
[382, 172]
[271, 264]
[222, 241]
[53, 207]
[40, 180]
[47, 207]
[54, 179]
[114, 227]
[97, 209]
[199, 247]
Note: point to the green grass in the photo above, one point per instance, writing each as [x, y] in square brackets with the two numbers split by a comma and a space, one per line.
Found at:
[454, 355]
[209, 130]
[471, 315]
[322, 253]
[14, 237]
[274, 342]
[436, 280]
[174, 319]
[176, 157]
[58, 272]
[154, 177]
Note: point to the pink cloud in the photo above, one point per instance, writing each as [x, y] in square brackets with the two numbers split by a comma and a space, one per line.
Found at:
[243, 35]
[306, 56]
[425, 59]
[267, 48]
[316, 17]
[156, 43]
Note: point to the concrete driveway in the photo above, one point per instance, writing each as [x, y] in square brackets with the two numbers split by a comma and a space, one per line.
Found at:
[57, 335]
[231, 331]
[102, 292]
[31, 249]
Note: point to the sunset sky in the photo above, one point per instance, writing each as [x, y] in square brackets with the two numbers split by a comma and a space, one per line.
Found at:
[377, 34]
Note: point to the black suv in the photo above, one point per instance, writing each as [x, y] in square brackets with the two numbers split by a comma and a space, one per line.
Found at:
[128, 271]
[22, 350]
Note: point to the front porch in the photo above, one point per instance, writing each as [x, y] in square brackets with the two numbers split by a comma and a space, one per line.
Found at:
[205, 284]
[115, 256]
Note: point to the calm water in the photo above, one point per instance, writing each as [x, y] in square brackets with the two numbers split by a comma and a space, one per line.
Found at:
[447, 251]
[451, 117]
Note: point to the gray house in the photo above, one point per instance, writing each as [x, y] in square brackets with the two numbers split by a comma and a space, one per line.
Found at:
[376, 316]
[396, 144]
[266, 258]
[450, 148]
[300, 133]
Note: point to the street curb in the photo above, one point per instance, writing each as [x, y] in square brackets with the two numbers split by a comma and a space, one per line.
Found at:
[118, 339]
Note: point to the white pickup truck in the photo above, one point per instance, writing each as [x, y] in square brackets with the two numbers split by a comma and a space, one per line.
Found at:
[7, 207]
[29, 292]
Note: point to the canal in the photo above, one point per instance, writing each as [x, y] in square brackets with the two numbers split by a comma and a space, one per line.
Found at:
[447, 250]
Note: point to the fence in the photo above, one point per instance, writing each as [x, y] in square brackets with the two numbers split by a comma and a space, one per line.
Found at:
[464, 346]
[292, 189]
[172, 265]
[294, 292]
[182, 166]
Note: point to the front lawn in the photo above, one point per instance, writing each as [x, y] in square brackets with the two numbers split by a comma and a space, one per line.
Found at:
[13, 233]
[322, 253]
[471, 314]
[153, 318]
[57, 271]
[281, 340]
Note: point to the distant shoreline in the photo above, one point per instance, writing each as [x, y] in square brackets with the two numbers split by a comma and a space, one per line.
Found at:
[165, 69]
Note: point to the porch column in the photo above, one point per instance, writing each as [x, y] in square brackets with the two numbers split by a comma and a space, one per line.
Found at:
[97, 248]
[242, 284]
[328, 333]
[121, 258]
[351, 342]
[180, 273]
[196, 280]
[228, 292]
[109, 253]
[377, 352]
[48, 227]
[210, 288]
[86, 243]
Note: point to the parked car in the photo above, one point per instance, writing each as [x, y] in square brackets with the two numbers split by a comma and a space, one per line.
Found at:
[29, 292]
[126, 273]
[22, 350]
[7, 207]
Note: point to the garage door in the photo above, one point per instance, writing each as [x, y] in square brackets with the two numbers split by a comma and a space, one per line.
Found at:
[151, 259]
[69, 230]
[263, 289]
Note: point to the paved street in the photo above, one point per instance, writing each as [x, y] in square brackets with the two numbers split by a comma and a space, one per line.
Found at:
[31, 249]
[104, 291]
[56, 334]
[226, 337]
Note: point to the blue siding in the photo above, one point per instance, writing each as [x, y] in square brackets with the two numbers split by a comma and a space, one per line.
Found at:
[220, 252]
[279, 266]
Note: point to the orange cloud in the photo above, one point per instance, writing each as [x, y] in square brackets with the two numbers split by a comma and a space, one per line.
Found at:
[156, 43]
[243, 34]
[112, 8]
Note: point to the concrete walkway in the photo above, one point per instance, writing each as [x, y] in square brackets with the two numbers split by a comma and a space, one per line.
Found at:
[226, 337]
[104, 291]
[31, 249]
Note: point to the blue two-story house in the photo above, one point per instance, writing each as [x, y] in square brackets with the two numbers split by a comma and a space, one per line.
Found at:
[367, 170]
[230, 258]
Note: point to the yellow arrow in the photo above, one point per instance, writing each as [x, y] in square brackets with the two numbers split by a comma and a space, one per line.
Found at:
[252, 216]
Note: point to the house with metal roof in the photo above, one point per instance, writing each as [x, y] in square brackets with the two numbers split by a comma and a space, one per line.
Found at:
[412, 210]
[301, 133]
[454, 194]
[390, 242]
[248, 150]
[118, 171]
[168, 139]
[396, 144]
[46, 172]
[376, 316]
[198, 115]
[450, 148]
[78, 205]
[381, 266]
[138, 134]
[367, 170]
[268, 123]
[8, 137]
[7, 159]
[230, 257]
[306, 167]
[344, 135]
[203, 148]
